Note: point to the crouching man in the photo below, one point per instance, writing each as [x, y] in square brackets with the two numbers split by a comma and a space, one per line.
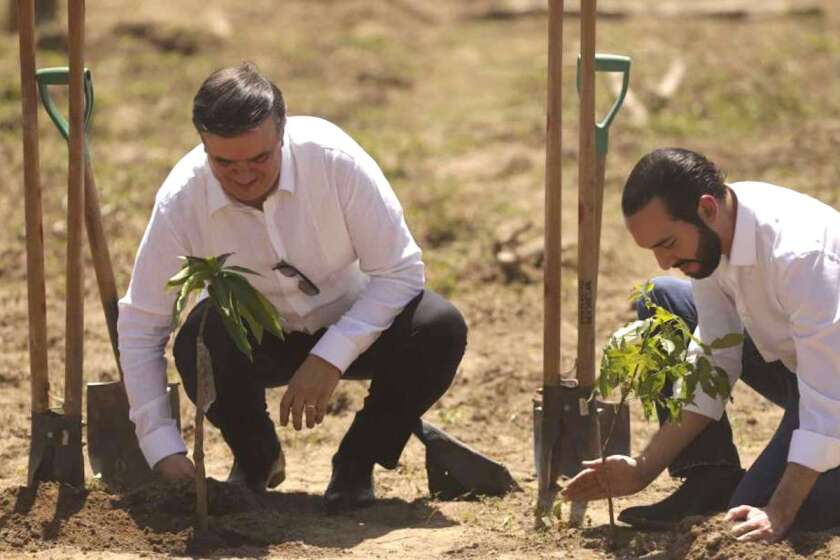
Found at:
[301, 203]
[765, 261]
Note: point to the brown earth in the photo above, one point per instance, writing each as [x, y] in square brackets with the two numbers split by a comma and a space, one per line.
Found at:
[449, 98]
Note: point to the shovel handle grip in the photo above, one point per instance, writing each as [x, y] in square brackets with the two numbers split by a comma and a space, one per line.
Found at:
[616, 63]
[60, 76]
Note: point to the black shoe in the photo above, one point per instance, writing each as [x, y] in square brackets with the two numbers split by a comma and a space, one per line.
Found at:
[271, 479]
[350, 487]
[705, 490]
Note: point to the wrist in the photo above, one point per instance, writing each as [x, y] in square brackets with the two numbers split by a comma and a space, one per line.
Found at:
[647, 472]
[780, 514]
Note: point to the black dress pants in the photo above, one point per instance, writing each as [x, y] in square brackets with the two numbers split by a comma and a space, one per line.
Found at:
[411, 365]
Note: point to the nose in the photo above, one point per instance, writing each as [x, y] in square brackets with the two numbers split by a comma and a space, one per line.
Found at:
[242, 173]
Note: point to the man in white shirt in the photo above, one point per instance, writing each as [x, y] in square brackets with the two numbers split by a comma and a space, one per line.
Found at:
[765, 261]
[301, 203]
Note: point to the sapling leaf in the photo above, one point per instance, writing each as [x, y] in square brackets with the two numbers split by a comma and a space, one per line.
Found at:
[253, 324]
[242, 269]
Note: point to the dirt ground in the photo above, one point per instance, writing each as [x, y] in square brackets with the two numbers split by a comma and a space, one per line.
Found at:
[449, 97]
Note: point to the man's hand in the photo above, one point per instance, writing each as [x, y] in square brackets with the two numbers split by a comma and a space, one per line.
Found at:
[758, 524]
[175, 467]
[309, 391]
[618, 475]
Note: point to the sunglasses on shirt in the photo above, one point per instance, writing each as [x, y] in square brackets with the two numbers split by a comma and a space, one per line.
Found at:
[305, 285]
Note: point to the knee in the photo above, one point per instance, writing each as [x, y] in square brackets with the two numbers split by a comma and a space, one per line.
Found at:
[442, 341]
[449, 331]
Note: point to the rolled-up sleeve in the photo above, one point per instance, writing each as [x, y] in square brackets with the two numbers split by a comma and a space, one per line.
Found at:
[811, 299]
[716, 317]
[387, 254]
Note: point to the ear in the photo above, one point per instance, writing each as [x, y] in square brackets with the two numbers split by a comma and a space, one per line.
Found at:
[708, 208]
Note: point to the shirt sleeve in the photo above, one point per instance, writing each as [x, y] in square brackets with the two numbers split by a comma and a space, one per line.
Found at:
[810, 296]
[387, 254]
[716, 317]
[144, 327]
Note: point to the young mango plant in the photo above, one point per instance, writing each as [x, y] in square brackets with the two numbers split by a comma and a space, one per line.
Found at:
[644, 355]
[239, 305]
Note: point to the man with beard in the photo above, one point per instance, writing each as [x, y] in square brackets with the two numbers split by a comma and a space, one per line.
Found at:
[763, 261]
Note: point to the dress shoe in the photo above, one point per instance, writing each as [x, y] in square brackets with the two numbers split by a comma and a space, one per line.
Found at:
[705, 490]
[273, 477]
[350, 487]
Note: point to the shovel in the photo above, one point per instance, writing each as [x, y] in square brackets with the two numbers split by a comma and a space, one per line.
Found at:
[569, 426]
[456, 471]
[614, 421]
[113, 450]
[56, 437]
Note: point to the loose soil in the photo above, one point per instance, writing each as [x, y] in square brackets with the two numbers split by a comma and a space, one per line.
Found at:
[449, 97]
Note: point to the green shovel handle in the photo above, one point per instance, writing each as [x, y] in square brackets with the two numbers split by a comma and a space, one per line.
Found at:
[608, 63]
[60, 76]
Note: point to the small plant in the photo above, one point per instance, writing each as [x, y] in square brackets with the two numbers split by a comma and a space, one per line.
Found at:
[239, 304]
[644, 355]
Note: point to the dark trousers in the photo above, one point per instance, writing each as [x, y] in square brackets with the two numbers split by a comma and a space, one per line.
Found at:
[411, 365]
[714, 445]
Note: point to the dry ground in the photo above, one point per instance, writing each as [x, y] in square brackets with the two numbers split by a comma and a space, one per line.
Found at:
[451, 103]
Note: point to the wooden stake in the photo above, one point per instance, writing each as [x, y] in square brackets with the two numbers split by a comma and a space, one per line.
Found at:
[552, 283]
[75, 324]
[36, 287]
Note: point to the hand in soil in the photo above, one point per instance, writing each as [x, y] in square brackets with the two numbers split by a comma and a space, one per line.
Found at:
[620, 474]
[308, 392]
[757, 524]
[175, 467]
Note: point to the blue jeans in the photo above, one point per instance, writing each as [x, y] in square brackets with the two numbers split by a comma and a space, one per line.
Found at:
[714, 445]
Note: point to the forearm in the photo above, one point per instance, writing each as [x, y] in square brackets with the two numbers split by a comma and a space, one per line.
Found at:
[668, 442]
[797, 482]
[142, 343]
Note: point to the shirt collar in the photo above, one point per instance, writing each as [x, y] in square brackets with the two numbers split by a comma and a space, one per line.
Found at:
[742, 252]
[217, 198]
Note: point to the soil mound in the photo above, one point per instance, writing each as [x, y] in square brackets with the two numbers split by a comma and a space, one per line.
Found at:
[156, 518]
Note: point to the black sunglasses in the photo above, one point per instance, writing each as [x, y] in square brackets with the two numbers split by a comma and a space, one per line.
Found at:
[305, 285]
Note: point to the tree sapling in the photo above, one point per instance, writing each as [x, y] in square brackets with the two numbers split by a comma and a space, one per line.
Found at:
[238, 304]
[644, 355]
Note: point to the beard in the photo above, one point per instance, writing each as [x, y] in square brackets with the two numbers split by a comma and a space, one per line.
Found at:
[709, 251]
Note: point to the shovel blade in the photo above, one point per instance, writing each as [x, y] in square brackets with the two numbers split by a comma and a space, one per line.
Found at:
[56, 449]
[566, 433]
[113, 449]
[569, 453]
[455, 470]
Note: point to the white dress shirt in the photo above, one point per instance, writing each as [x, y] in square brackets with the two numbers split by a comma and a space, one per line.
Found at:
[334, 217]
[781, 283]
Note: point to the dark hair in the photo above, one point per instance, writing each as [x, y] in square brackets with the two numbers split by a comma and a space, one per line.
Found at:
[678, 177]
[237, 99]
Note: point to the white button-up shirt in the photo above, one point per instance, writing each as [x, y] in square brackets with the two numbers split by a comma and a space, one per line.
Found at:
[334, 217]
[781, 283]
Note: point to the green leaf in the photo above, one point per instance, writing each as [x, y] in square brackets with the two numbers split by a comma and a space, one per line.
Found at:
[253, 324]
[259, 306]
[242, 269]
[220, 259]
[182, 276]
[192, 284]
[728, 341]
[236, 333]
